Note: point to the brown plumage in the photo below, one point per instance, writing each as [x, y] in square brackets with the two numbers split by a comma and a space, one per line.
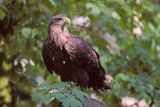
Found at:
[72, 57]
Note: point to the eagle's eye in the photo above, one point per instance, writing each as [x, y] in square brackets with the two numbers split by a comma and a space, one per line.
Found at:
[59, 18]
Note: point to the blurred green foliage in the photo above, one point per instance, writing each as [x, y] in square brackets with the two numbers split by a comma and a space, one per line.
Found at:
[62, 92]
[130, 55]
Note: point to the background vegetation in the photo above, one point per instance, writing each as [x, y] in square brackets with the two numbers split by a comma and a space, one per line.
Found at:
[126, 34]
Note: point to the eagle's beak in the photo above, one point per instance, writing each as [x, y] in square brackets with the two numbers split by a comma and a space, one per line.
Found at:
[67, 20]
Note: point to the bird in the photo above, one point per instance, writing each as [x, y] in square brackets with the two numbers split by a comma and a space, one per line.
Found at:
[71, 57]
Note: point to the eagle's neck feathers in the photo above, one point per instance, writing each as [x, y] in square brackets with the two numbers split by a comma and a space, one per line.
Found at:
[58, 35]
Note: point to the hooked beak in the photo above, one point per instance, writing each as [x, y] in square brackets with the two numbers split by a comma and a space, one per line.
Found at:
[67, 20]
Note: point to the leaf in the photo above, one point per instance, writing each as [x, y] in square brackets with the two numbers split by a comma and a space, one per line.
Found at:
[61, 86]
[26, 32]
[59, 96]
[2, 14]
[94, 9]
[71, 101]
[40, 97]
[120, 90]
[3, 82]
[79, 94]
[6, 66]
[123, 77]
[115, 15]
[45, 86]
[46, 99]
[53, 2]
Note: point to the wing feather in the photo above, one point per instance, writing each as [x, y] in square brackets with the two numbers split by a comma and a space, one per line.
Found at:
[47, 58]
[82, 53]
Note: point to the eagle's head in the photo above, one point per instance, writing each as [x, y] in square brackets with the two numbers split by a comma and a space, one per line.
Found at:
[59, 20]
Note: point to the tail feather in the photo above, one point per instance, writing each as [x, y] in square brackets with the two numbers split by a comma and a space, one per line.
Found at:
[98, 81]
[101, 85]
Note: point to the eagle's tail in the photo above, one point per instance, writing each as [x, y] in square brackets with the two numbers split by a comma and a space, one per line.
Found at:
[98, 81]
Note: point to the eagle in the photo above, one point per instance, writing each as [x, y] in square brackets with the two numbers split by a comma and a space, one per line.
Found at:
[71, 57]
